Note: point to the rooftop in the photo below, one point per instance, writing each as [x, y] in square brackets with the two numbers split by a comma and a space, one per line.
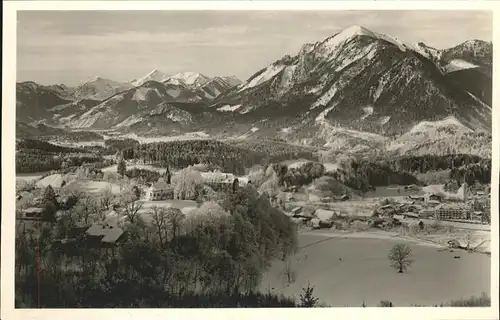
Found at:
[110, 232]
[34, 210]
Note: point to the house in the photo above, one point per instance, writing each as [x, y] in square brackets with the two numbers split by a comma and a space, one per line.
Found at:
[433, 203]
[320, 224]
[385, 210]
[160, 191]
[411, 215]
[326, 199]
[416, 198]
[427, 213]
[104, 234]
[323, 214]
[33, 213]
[434, 197]
[297, 210]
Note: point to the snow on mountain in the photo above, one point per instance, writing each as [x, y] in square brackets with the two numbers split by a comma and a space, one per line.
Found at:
[154, 75]
[214, 87]
[228, 108]
[262, 77]
[192, 79]
[426, 51]
[332, 43]
[232, 80]
[441, 137]
[361, 79]
[459, 64]
[448, 122]
[100, 89]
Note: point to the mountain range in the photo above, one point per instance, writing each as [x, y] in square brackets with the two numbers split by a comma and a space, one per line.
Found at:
[356, 80]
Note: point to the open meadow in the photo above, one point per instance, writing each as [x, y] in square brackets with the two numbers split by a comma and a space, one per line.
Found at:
[364, 272]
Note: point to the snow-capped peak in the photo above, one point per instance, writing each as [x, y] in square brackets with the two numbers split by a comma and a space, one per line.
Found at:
[357, 30]
[155, 75]
[100, 80]
[191, 78]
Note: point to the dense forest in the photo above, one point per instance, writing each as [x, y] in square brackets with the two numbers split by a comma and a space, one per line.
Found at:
[180, 154]
[363, 175]
[426, 163]
[35, 162]
[477, 172]
[39, 145]
[206, 260]
[276, 150]
[462, 167]
[117, 145]
[39, 156]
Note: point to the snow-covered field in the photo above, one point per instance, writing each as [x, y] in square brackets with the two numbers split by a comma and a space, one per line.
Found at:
[341, 269]
[93, 187]
[229, 108]
[27, 177]
[200, 135]
[459, 64]
[113, 168]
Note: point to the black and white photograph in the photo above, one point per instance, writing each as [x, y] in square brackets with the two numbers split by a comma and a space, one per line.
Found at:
[252, 159]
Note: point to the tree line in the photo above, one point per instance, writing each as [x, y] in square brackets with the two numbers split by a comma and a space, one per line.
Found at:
[215, 259]
[181, 154]
[426, 163]
[29, 162]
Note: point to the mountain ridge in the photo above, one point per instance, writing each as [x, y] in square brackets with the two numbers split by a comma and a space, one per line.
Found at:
[356, 79]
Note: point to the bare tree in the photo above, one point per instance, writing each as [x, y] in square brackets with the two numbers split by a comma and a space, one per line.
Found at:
[160, 223]
[86, 209]
[106, 197]
[289, 271]
[400, 257]
[131, 209]
[175, 218]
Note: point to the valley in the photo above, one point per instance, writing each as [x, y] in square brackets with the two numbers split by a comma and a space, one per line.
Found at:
[190, 190]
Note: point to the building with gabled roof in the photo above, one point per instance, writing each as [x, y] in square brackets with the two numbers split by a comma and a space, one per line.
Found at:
[160, 190]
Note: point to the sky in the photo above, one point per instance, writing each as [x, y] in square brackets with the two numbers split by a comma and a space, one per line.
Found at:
[72, 47]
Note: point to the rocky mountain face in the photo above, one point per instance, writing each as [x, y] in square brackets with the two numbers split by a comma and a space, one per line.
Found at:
[357, 86]
[33, 101]
[100, 89]
[103, 103]
[360, 80]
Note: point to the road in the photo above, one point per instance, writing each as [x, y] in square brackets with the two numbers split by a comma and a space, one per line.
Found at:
[460, 225]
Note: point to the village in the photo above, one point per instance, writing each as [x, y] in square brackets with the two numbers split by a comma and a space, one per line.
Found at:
[110, 201]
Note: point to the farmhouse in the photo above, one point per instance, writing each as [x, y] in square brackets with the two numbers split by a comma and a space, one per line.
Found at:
[104, 234]
[160, 191]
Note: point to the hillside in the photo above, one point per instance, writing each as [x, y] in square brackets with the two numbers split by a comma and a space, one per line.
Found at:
[357, 91]
[33, 101]
[99, 89]
[357, 79]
